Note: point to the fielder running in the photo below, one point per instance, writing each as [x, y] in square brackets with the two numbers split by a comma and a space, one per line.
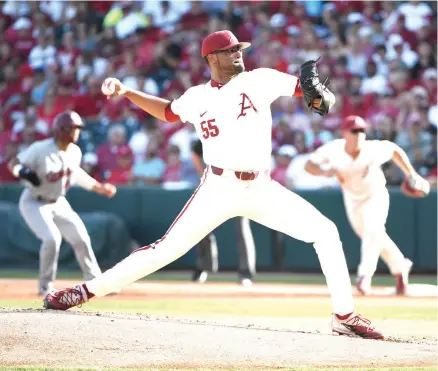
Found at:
[357, 164]
[48, 168]
[232, 116]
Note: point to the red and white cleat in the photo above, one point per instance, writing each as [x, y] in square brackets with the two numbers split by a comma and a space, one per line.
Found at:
[65, 299]
[356, 326]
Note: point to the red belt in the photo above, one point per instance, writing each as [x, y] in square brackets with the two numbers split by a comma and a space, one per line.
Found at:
[241, 175]
[46, 200]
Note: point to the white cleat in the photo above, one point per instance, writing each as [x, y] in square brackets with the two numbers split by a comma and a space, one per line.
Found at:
[200, 277]
[363, 285]
[246, 282]
[402, 279]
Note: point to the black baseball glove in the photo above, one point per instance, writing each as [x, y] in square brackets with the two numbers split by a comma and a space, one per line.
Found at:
[313, 89]
[29, 175]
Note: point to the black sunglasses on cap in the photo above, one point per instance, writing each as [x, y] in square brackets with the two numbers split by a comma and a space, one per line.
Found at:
[357, 131]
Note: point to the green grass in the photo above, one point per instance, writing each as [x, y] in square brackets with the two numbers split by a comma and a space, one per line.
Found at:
[248, 307]
[262, 277]
[32, 368]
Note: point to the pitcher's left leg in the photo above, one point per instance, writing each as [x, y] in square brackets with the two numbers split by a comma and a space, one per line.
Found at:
[279, 208]
[276, 207]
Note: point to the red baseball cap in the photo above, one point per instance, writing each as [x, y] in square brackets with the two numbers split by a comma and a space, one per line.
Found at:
[353, 122]
[221, 40]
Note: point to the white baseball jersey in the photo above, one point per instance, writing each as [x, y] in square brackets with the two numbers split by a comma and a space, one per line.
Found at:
[234, 121]
[56, 169]
[362, 175]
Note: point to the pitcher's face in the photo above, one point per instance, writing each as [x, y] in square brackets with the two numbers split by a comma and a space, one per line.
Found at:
[229, 61]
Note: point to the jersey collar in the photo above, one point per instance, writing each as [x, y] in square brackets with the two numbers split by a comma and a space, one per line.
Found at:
[215, 84]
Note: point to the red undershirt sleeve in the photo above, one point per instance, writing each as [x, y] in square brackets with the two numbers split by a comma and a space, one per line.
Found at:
[298, 92]
[169, 115]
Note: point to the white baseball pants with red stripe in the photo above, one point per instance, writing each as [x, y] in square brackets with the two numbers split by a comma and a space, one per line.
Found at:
[219, 198]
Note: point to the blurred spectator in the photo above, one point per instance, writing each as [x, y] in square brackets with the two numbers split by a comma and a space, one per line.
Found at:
[373, 82]
[172, 172]
[68, 54]
[126, 17]
[90, 165]
[398, 49]
[429, 168]
[107, 152]
[179, 173]
[58, 11]
[90, 104]
[356, 58]
[42, 55]
[52, 105]
[416, 141]
[183, 139]
[40, 86]
[149, 170]
[429, 80]
[20, 36]
[427, 59]
[11, 150]
[30, 119]
[165, 13]
[416, 13]
[140, 140]
[282, 160]
[318, 134]
[380, 57]
[121, 173]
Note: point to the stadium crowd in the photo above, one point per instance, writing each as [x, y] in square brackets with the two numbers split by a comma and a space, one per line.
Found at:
[380, 57]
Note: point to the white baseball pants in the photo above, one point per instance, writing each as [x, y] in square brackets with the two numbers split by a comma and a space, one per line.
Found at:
[219, 198]
[368, 218]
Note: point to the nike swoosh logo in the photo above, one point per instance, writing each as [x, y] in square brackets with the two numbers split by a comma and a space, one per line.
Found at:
[203, 114]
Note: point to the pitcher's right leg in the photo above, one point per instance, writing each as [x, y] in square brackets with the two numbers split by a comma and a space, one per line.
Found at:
[206, 209]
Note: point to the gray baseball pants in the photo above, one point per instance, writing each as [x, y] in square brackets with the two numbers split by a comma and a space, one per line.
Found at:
[51, 222]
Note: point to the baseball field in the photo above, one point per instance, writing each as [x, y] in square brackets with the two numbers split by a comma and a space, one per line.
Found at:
[165, 322]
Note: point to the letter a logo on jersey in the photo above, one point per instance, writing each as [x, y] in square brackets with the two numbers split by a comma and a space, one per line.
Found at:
[246, 104]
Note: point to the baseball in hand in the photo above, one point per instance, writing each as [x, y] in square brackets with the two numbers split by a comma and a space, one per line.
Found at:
[108, 86]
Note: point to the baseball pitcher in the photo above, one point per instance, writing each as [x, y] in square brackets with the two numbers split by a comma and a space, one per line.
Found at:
[357, 164]
[232, 117]
[48, 168]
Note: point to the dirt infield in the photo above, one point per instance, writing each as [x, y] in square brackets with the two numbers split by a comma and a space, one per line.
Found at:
[144, 290]
[90, 339]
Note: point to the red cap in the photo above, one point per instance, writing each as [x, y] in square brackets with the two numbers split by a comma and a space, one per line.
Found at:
[124, 150]
[221, 40]
[353, 122]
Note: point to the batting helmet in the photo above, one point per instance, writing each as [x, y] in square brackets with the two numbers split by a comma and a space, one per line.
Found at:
[63, 124]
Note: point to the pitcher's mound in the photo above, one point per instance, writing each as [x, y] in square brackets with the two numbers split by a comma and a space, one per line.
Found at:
[89, 339]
